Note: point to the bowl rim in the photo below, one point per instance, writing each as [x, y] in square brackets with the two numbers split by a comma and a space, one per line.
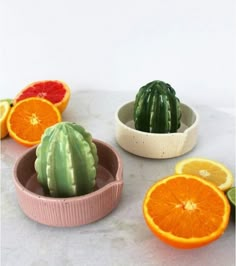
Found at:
[195, 123]
[118, 179]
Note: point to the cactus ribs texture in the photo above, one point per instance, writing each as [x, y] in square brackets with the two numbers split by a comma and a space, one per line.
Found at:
[156, 108]
[66, 161]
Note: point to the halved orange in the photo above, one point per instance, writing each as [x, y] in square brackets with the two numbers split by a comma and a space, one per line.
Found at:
[29, 118]
[55, 91]
[186, 211]
[210, 170]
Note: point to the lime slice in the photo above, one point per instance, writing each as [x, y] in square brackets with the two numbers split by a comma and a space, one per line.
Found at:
[231, 194]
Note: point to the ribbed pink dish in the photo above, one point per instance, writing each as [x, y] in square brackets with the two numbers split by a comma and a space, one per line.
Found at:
[73, 211]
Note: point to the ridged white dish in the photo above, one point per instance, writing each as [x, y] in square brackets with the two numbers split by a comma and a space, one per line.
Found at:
[152, 145]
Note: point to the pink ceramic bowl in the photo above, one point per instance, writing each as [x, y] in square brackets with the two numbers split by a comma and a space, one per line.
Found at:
[73, 211]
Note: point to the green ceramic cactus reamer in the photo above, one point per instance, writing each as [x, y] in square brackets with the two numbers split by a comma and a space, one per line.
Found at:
[66, 160]
[156, 108]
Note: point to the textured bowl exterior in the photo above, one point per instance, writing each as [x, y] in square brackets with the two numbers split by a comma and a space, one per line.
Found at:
[153, 145]
[72, 211]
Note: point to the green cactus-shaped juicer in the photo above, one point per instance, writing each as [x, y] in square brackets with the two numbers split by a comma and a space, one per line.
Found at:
[67, 160]
[156, 108]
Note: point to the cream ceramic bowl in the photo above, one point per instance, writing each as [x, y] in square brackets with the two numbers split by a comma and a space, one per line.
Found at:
[152, 145]
[72, 211]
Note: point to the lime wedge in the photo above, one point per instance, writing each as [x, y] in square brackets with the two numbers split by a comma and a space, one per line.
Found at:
[231, 194]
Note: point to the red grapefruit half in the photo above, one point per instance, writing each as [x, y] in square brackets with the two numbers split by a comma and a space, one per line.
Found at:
[55, 91]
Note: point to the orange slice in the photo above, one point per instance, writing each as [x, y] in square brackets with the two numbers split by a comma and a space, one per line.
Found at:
[4, 111]
[186, 211]
[29, 118]
[55, 91]
[212, 171]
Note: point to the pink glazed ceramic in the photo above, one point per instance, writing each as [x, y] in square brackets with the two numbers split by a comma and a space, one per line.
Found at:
[73, 211]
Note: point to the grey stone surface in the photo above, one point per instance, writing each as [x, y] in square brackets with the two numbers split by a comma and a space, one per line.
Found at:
[122, 237]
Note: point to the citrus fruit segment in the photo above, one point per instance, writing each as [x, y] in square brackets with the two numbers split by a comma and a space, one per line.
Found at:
[55, 91]
[29, 118]
[4, 111]
[231, 194]
[186, 211]
[212, 171]
[10, 101]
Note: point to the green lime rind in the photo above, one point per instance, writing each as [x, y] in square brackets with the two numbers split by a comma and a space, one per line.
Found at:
[231, 195]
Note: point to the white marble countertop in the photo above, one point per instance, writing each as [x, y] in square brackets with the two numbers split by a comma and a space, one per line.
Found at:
[122, 237]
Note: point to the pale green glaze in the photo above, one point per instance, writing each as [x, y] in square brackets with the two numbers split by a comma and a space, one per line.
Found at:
[66, 160]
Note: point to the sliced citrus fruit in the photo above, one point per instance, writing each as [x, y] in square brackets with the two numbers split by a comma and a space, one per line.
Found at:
[212, 171]
[29, 118]
[4, 111]
[10, 101]
[231, 195]
[54, 91]
[186, 211]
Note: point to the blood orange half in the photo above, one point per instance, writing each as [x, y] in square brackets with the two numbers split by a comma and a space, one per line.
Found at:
[55, 91]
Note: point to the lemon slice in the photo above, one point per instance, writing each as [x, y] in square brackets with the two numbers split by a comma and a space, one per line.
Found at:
[212, 171]
[4, 111]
